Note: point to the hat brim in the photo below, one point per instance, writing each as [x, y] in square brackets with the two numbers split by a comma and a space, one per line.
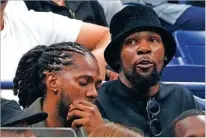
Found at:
[112, 52]
[26, 116]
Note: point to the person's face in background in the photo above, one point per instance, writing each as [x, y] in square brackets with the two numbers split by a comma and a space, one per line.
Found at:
[142, 58]
[193, 126]
[79, 81]
[13, 131]
[17, 133]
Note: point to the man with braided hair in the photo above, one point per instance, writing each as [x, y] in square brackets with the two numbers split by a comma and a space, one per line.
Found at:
[60, 80]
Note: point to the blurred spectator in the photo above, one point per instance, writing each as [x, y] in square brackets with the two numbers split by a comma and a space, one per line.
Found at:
[111, 75]
[13, 116]
[87, 11]
[176, 16]
[139, 51]
[22, 29]
[61, 80]
[190, 123]
[114, 130]
[15, 132]
[111, 8]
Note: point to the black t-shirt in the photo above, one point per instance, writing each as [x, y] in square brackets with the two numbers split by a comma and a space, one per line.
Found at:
[120, 104]
[87, 11]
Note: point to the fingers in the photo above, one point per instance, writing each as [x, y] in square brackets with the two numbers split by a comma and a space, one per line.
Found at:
[84, 102]
[79, 122]
[82, 107]
[76, 113]
[78, 106]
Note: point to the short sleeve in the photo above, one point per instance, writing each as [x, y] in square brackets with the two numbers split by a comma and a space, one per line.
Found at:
[49, 28]
[66, 28]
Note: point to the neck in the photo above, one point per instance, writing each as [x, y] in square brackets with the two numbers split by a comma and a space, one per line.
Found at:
[124, 80]
[153, 90]
[150, 91]
[53, 119]
[60, 2]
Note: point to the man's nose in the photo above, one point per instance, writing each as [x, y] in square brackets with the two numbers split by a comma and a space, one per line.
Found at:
[144, 48]
[92, 93]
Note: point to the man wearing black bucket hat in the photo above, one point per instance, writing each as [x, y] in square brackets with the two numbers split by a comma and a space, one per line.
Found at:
[139, 50]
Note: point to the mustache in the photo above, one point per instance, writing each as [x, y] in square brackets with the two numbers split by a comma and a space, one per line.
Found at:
[91, 100]
[144, 58]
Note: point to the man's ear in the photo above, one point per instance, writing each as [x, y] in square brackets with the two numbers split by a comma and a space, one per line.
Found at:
[52, 82]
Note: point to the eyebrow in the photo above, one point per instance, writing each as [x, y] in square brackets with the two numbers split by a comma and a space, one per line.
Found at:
[137, 33]
[90, 78]
[87, 77]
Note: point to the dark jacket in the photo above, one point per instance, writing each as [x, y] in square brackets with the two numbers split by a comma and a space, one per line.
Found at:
[87, 11]
[122, 105]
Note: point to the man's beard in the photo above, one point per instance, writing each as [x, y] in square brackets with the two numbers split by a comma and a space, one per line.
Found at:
[142, 83]
[63, 109]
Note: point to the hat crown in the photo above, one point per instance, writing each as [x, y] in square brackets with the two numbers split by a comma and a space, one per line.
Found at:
[131, 16]
[9, 109]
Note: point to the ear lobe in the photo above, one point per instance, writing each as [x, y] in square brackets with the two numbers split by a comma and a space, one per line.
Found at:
[165, 58]
[52, 82]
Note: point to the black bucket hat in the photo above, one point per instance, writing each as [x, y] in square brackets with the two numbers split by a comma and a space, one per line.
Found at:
[12, 113]
[133, 19]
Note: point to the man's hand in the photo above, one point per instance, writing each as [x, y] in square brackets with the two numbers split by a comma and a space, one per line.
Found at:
[89, 115]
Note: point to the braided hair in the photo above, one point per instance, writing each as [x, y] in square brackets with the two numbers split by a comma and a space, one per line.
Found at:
[29, 80]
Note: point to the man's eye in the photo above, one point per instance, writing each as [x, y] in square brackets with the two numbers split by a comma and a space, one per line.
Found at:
[131, 41]
[154, 39]
[83, 82]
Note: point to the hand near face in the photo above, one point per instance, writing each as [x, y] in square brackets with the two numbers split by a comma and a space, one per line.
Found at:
[89, 115]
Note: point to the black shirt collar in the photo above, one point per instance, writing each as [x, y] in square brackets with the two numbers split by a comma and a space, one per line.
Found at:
[132, 95]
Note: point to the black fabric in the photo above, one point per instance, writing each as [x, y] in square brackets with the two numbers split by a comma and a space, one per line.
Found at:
[87, 11]
[11, 113]
[120, 104]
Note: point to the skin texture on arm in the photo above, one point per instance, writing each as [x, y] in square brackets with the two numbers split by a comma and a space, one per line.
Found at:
[2, 7]
[95, 38]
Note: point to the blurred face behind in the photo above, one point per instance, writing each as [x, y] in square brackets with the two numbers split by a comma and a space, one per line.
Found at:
[193, 126]
[15, 132]
[79, 81]
[142, 58]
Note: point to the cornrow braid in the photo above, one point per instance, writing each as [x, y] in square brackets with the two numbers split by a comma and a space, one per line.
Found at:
[29, 83]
